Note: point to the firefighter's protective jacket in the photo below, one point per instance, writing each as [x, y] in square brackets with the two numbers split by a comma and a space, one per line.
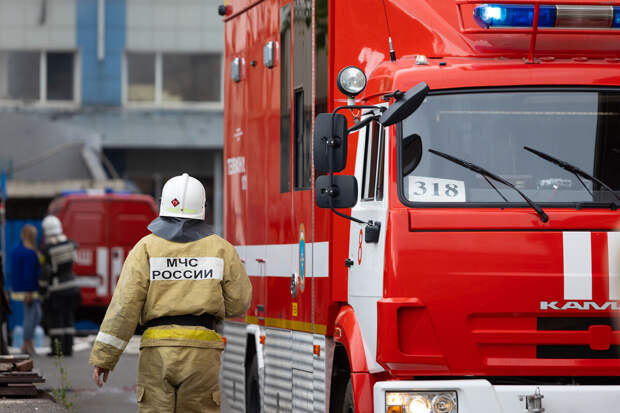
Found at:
[166, 278]
[57, 272]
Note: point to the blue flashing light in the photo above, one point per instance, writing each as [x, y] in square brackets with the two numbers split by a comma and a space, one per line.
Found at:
[616, 17]
[513, 15]
[67, 192]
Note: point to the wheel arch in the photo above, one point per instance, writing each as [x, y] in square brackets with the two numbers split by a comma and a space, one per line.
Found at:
[349, 363]
[347, 333]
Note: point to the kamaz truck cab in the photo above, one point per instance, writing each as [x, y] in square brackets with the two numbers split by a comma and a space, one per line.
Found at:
[434, 195]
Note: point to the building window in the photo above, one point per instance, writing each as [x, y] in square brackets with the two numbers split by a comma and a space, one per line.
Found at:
[60, 76]
[191, 78]
[37, 76]
[141, 77]
[173, 78]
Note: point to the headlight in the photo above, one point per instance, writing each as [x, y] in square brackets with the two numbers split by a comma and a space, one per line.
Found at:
[351, 81]
[421, 402]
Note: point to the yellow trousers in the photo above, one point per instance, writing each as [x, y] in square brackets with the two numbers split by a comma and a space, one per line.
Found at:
[178, 380]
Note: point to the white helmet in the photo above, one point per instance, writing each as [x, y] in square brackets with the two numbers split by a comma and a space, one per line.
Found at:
[51, 226]
[183, 197]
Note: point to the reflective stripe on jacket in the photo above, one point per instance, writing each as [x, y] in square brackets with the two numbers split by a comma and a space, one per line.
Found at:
[21, 295]
[165, 278]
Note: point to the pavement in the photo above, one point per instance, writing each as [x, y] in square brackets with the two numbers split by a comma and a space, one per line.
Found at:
[117, 395]
[30, 406]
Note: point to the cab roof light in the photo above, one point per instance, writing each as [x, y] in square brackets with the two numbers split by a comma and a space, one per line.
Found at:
[558, 16]
[513, 15]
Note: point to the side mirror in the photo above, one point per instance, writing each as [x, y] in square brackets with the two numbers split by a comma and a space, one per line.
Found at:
[406, 105]
[330, 139]
[342, 194]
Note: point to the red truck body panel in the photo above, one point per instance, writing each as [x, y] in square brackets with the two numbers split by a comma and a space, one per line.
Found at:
[105, 228]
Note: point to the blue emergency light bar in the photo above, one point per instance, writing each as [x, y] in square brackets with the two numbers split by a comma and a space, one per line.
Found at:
[559, 16]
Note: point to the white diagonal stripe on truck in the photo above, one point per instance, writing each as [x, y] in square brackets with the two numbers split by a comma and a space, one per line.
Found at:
[577, 254]
[613, 254]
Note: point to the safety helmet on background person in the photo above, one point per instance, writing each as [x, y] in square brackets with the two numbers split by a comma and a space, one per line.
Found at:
[183, 197]
[51, 226]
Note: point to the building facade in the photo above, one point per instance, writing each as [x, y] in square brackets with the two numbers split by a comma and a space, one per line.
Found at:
[145, 76]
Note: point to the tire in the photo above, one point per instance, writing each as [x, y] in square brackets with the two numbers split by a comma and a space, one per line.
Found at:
[252, 388]
[342, 396]
[348, 404]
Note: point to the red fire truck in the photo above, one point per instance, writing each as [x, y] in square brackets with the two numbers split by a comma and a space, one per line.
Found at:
[425, 195]
[105, 227]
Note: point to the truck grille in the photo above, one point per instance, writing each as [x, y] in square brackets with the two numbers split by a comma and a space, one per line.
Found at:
[572, 323]
[574, 351]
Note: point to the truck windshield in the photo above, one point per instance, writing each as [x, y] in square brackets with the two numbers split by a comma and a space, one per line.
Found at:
[491, 129]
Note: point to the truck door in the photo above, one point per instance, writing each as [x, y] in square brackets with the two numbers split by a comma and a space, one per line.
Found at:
[365, 284]
[246, 148]
[301, 131]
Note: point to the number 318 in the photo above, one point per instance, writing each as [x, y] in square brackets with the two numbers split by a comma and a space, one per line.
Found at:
[450, 190]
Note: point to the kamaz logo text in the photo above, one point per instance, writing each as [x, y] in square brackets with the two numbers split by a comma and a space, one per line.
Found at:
[576, 305]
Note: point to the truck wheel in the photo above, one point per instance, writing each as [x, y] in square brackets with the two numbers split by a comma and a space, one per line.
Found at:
[252, 388]
[348, 404]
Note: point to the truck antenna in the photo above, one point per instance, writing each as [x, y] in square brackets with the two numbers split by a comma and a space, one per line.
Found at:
[387, 24]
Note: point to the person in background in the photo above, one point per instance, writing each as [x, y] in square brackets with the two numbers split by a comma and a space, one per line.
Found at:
[25, 269]
[59, 287]
[5, 310]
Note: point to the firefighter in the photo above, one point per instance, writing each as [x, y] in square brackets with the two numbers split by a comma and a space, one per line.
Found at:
[59, 287]
[178, 282]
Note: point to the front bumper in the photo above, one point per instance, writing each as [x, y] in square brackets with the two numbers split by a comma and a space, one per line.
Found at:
[480, 396]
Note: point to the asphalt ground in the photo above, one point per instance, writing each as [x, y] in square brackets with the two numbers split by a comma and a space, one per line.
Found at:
[40, 405]
[117, 395]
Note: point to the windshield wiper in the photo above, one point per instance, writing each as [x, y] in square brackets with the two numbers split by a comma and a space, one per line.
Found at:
[486, 174]
[572, 168]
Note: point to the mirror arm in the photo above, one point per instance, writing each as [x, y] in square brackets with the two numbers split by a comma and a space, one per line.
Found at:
[362, 124]
[359, 221]
[380, 108]
[331, 196]
[339, 108]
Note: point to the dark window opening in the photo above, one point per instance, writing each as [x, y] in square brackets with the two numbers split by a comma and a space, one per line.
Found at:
[381, 161]
[60, 76]
[303, 105]
[372, 179]
[302, 143]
